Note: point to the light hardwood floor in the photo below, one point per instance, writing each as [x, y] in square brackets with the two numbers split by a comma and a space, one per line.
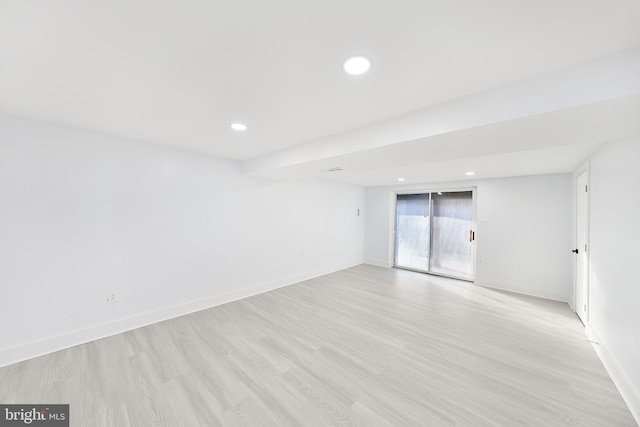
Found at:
[365, 346]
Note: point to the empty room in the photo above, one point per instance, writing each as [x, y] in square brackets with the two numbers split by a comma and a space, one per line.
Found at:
[319, 213]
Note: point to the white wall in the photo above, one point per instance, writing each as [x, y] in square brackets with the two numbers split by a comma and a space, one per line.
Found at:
[614, 259]
[172, 231]
[524, 246]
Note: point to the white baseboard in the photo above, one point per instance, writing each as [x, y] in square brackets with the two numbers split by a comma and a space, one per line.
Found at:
[627, 389]
[592, 337]
[378, 262]
[518, 291]
[39, 348]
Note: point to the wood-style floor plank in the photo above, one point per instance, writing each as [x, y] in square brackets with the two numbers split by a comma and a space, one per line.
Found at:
[366, 346]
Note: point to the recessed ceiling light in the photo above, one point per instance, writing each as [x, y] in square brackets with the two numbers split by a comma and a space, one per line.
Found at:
[470, 173]
[356, 65]
[239, 127]
[400, 179]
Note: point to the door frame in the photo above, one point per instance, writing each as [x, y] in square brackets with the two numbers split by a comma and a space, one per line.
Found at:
[584, 169]
[474, 226]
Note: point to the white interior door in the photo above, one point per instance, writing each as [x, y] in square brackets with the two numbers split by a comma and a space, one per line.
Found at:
[582, 277]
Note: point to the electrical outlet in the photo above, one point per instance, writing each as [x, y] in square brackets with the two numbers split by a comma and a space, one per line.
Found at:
[112, 297]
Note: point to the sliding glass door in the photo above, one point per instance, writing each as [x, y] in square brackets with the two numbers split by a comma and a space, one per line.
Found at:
[434, 233]
[452, 235]
[413, 224]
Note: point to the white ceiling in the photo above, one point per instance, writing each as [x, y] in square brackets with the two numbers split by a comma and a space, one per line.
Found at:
[179, 72]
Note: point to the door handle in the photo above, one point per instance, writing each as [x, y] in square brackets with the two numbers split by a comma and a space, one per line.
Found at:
[575, 251]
